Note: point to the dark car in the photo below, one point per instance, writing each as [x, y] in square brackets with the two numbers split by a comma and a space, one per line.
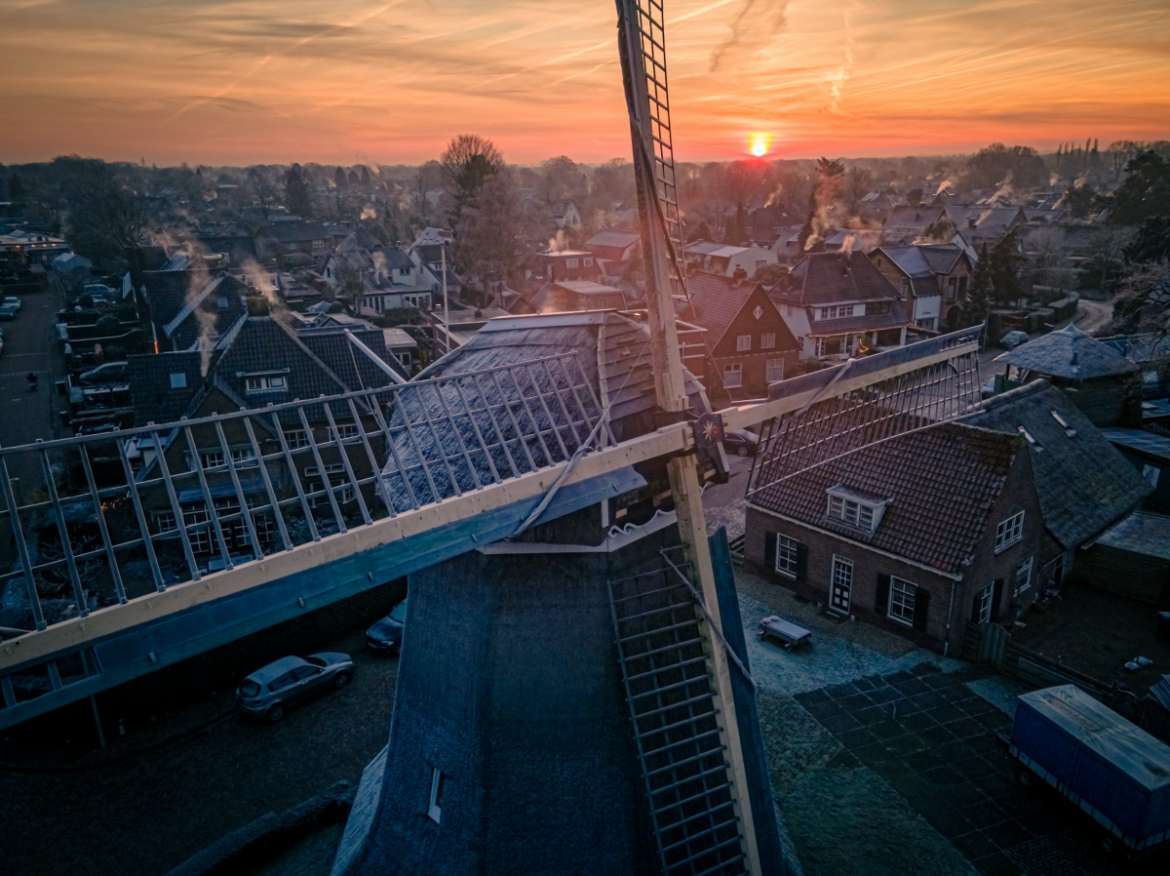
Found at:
[741, 442]
[386, 634]
[111, 372]
[267, 692]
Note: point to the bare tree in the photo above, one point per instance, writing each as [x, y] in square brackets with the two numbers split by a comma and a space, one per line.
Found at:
[264, 188]
[467, 162]
[351, 286]
[487, 245]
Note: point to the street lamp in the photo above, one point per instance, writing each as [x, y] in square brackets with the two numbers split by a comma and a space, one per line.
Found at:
[446, 315]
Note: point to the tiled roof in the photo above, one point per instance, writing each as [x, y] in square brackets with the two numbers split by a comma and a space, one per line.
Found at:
[715, 301]
[941, 484]
[175, 296]
[832, 278]
[1068, 353]
[1082, 481]
[909, 259]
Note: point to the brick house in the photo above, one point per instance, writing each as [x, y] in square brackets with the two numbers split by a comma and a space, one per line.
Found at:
[569, 264]
[918, 535]
[932, 280]
[259, 361]
[837, 304]
[750, 344]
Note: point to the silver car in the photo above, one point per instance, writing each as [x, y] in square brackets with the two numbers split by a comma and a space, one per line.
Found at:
[267, 692]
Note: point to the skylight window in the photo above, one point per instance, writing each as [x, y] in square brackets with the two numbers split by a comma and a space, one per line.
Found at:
[1068, 430]
[1028, 436]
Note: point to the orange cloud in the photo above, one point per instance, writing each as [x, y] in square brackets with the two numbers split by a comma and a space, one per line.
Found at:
[243, 81]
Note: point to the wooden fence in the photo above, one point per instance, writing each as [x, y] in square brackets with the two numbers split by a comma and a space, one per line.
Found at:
[991, 645]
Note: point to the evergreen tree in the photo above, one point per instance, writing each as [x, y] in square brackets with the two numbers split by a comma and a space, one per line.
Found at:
[1005, 270]
[298, 196]
[978, 303]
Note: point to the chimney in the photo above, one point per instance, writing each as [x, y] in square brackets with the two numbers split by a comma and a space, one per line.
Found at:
[257, 305]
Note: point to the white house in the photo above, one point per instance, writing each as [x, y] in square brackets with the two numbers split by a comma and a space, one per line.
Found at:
[718, 258]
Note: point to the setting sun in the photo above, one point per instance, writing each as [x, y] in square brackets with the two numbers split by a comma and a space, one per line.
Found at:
[759, 144]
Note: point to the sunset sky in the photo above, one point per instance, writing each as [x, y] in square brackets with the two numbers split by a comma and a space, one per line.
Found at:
[347, 81]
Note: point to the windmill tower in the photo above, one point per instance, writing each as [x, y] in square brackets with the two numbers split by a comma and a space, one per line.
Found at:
[568, 700]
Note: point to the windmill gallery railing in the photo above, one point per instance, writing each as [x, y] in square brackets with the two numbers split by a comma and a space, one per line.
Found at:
[118, 545]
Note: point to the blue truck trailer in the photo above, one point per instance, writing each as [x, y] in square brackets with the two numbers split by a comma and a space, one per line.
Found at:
[1113, 770]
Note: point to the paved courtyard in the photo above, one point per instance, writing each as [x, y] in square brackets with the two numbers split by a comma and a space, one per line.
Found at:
[884, 758]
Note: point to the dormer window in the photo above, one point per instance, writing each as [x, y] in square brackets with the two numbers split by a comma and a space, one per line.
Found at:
[856, 509]
[266, 383]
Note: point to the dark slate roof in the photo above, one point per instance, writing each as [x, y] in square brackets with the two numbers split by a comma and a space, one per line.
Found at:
[150, 385]
[909, 259]
[941, 257]
[942, 484]
[1137, 439]
[833, 277]
[1140, 533]
[614, 238]
[1082, 481]
[1068, 353]
[396, 258]
[613, 353]
[295, 232]
[318, 362]
[923, 261]
[174, 297]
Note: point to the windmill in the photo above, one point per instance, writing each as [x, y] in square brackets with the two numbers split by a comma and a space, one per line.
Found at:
[574, 692]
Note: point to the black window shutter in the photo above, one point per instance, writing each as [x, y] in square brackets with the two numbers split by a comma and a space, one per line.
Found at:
[770, 550]
[996, 595]
[975, 608]
[881, 604]
[921, 607]
[801, 562]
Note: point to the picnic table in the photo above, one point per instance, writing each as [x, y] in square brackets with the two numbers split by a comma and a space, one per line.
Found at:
[789, 634]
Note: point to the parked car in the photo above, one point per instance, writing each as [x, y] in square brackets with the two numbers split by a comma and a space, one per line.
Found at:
[1013, 339]
[267, 692]
[11, 300]
[8, 311]
[111, 372]
[386, 634]
[741, 442]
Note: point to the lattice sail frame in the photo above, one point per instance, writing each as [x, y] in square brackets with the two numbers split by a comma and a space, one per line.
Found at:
[844, 417]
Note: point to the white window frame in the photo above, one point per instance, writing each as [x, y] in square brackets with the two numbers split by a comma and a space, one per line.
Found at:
[774, 370]
[743, 344]
[732, 375]
[265, 383]
[903, 598]
[345, 431]
[863, 515]
[986, 595]
[434, 810]
[570, 263]
[588, 263]
[331, 468]
[210, 458]
[1009, 531]
[296, 438]
[845, 565]
[768, 341]
[1024, 573]
[787, 550]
